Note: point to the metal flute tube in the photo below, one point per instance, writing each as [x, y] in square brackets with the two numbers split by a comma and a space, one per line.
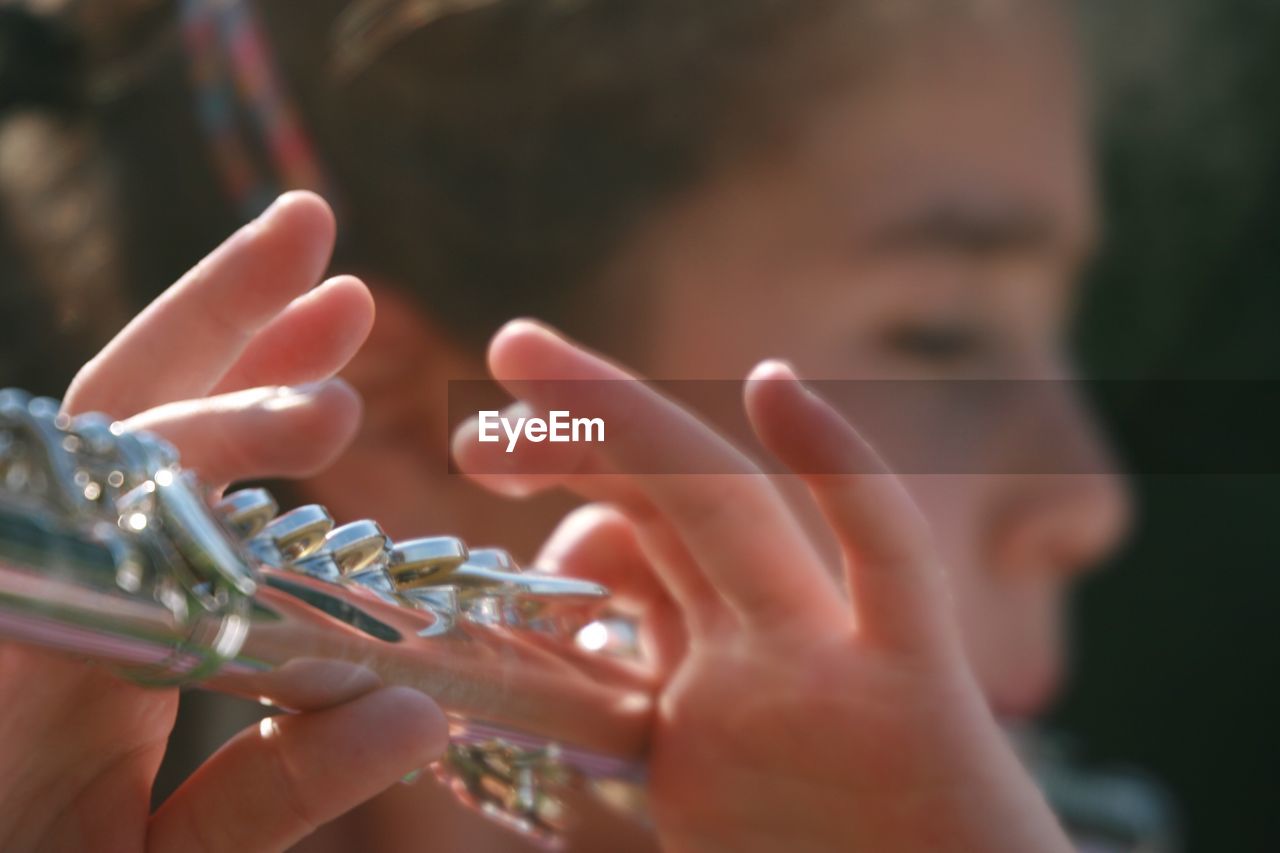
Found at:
[59, 589]
[305, 644]
[109, 549]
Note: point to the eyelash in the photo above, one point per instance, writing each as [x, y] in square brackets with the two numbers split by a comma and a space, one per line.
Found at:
[935, 344]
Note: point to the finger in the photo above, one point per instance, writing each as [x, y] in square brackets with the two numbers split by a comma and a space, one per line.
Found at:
[599, 543]
[540, 467]
[893, 572]
[311, 340]
[259, 433]
[535, 468]
[183, 343]
[736, 526]
[274, 784]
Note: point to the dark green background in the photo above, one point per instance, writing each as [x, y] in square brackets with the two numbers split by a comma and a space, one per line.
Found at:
[1178, 654]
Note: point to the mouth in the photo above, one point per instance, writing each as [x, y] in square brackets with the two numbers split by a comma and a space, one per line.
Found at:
[1028, 695]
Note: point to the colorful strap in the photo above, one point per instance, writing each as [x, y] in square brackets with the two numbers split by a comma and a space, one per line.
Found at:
[257, 138]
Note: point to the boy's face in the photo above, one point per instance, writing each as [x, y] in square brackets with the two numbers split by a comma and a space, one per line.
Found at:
[930, 225]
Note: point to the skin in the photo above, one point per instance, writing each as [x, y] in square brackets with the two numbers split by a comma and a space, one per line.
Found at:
[955, 256]
[971, 237]
[788, 714]
[83, 746]
[848, 703]
[724, 618]
[930, 225]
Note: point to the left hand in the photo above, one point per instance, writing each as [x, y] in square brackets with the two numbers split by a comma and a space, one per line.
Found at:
[204, 367]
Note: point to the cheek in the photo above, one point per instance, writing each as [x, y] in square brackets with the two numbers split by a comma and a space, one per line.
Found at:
[722, 332]
[720, 312]
[1011, 626]
[953, 504]
[1014, 641]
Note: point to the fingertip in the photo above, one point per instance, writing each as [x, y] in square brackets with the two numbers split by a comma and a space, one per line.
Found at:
[299, 222]
[465, 439]
[595, 516]
[351, 299]
[343, 395]
[516, 330]
[302, 430]
[770, 387]
[803, 430]
[537, 362]
[594, 521]
[524, 327]
[477, 458]
[525, 348]
[773, 369]
[334, 418]
[301, 208]
[772, 393]
[417, 725]
[351, 289]
[477, 464]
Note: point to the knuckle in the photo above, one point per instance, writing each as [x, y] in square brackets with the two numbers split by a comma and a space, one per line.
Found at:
[238, 454]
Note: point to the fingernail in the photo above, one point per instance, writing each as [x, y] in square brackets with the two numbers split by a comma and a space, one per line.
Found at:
[774, 369]
[529, 324]
[266, 214]
[781, 370]
[784, 367]
[251, 229]
[514, 489]
[278, 203]
[311, 389]
[517, 411]
[289, 396]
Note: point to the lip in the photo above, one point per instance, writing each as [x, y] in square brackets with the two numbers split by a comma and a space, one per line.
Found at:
[1029, 697]
[1018, 708]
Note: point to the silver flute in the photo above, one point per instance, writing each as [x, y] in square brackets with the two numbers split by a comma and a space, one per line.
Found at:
[111, 551]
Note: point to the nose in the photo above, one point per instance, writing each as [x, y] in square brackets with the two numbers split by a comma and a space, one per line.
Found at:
[1075, 508]
[1063, 524]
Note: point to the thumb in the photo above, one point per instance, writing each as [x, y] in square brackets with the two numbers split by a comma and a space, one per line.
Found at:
[277, 782]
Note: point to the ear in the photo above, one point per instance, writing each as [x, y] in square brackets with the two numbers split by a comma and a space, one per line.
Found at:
[403, 371]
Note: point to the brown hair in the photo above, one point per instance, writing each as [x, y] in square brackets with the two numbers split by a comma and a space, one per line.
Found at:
[529, 138]
[492, 160]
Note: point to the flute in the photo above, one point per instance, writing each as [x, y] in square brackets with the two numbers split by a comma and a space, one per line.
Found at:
[111, 551]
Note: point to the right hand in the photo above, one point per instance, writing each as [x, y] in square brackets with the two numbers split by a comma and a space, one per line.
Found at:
[207, 366]
[802, 706]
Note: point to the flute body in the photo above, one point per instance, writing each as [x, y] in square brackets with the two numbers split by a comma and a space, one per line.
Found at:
[110, 551]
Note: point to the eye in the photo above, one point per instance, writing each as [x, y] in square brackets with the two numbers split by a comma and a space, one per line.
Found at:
[936, 344]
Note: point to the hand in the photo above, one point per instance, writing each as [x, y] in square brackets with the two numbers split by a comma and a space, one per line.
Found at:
[203, 366]
[791, 715]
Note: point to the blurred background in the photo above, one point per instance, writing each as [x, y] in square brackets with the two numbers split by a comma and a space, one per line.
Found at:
[1177, 653]
[1177, 649]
